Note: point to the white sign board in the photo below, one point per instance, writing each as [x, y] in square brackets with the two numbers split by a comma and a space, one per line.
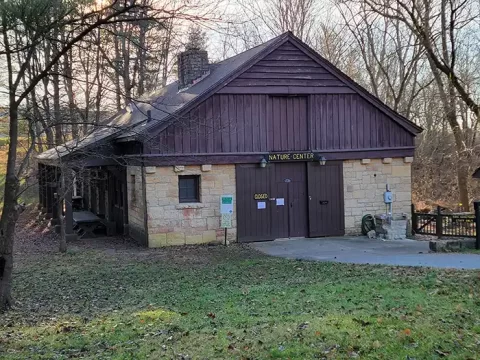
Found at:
[280, 201]
[226, 204]
[261, 205]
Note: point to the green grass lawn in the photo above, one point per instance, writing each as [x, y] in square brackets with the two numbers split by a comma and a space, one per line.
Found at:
[233, 303]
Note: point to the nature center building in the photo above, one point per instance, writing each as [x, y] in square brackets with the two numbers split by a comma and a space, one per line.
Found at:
[303, 149]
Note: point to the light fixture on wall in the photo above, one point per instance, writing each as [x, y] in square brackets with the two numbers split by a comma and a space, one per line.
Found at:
[263, 163]
[322, 160]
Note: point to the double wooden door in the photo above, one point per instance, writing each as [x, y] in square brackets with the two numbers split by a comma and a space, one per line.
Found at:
[287, 200]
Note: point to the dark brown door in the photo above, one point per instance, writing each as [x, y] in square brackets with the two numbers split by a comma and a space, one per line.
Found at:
[325, 204]
[253, 215]
[290, 188]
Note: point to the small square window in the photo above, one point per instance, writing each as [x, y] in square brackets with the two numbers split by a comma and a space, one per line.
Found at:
[189, 188]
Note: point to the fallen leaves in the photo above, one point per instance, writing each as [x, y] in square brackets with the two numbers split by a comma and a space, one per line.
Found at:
[211, 315]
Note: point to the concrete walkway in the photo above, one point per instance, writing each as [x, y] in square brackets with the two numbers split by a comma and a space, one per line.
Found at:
[360, 250]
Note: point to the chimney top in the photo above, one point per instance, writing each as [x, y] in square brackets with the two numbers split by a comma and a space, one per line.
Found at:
[192, 65]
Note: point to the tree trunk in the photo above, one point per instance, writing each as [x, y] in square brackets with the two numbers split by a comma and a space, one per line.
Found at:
[60, 197]
[9, 215]
[118, 92]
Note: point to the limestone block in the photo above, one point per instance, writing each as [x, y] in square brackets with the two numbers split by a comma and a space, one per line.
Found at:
[206, 184]
[387, 160]
[157, 240]
[150, 169]
[366, 161]
[206, 167]
[175, 238]
[179, 168]
[209, 236]
[402, 170]
[408, 159]
[213, 223]
[198, 223]
[193, 239]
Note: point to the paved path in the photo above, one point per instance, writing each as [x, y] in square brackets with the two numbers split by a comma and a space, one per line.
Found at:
[360, 250]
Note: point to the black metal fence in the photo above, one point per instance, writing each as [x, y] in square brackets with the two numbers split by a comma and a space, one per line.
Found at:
[444, 225]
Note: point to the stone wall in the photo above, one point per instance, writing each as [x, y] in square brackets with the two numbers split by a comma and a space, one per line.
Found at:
[173, 223]
[364, 184]
[136, 204]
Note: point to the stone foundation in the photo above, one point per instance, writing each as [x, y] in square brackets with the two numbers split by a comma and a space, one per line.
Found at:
[173, 223]
[364, 184]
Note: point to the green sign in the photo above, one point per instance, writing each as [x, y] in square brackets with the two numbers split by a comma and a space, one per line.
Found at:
[227, 200]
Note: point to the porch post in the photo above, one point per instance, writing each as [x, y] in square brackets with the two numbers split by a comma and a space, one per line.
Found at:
[476, 206]
[70, 235]
[40, 186]
[48, 192]
[57, 201]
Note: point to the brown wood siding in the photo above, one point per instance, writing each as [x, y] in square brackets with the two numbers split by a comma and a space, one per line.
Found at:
[287, 66]
[346, 121]
[260, 123]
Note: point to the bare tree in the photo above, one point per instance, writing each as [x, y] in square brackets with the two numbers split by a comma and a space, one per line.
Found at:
[27, 28]
[440, 27]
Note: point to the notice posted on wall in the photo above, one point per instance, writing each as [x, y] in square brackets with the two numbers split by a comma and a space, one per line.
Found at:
[280, 201]
[261, 205]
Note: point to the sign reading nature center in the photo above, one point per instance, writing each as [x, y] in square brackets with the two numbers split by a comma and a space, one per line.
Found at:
[300, 156]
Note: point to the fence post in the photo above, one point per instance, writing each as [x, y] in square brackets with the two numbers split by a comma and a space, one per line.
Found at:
[414, 220]
[439, 222]
[476, 206]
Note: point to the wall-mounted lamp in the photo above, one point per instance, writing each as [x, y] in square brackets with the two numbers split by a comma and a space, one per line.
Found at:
[263, 163]
[322, 160]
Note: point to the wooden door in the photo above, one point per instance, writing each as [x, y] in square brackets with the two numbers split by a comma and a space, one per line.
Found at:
[253, 204]
[272, 201]
[325, 194]
[290, 219]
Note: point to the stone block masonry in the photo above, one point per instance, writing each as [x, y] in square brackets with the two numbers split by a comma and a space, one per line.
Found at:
[364, 185]
[173, 223]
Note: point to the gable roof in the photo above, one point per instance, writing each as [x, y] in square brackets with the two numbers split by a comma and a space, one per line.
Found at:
[166, 104]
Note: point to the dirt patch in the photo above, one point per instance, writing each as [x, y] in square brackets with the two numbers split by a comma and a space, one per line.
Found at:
[35, 238]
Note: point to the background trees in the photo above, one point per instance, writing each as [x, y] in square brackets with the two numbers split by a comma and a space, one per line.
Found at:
[69, 65]
[418, 56]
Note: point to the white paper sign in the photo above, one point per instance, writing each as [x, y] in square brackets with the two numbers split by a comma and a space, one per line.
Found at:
[280, 201]
[261, 205]
[226, 221]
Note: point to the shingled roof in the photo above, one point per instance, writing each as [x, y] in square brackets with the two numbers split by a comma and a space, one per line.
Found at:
[166, 104]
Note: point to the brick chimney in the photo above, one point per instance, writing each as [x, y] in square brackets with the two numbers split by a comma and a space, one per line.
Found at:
[192, 65]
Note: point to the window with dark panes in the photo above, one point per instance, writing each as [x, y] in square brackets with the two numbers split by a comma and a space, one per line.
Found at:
[189, 188]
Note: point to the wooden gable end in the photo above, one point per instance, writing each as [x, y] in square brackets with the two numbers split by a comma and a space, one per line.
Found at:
[286, 70]
[284, 102]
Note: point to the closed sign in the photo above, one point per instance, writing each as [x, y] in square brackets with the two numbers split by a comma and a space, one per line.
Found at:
[262, 196]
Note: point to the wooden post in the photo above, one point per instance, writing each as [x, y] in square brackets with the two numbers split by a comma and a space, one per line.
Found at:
[55, 198]
[69, 234]
[40, 186]
[439, 222]
[48, 192]
[476, 206]
[414, 219]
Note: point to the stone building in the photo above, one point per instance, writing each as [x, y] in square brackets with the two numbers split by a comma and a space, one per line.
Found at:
[303, 150]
